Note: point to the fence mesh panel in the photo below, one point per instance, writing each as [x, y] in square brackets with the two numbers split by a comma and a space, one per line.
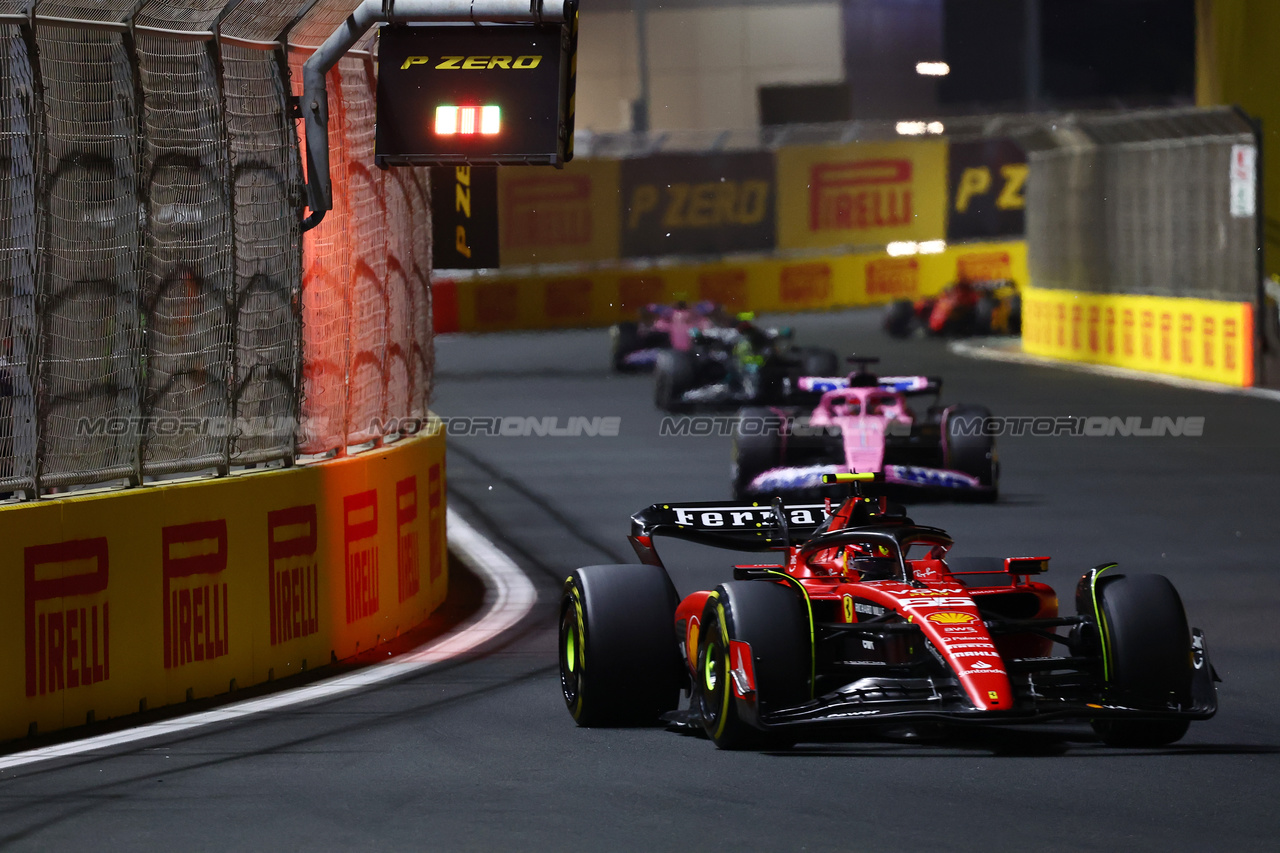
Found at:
[1140, 203]
[160, 309]
[366, 376]
[326, 260]
[18, 330]
[419, 234]
[188, 296]
[88, 296]
[262, 20]
[268, 188]
[401, 283]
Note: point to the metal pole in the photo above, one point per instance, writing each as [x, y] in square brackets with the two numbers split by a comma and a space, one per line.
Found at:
[640, 107]
[1032, 22]
[1261, 340]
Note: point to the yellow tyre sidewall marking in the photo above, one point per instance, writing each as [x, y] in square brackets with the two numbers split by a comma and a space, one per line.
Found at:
[582, 649]
[724, 703]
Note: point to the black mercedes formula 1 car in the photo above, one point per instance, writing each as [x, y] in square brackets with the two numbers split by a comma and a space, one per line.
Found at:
[865, 622]
[734, 366]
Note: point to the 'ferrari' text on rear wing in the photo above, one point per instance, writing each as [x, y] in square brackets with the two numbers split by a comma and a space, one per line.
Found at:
[739, 527]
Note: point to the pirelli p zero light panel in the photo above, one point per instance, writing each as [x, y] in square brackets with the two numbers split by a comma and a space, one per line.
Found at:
[479, 95]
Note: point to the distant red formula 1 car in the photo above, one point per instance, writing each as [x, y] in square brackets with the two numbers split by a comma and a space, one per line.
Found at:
[865, 622]
[964, 308]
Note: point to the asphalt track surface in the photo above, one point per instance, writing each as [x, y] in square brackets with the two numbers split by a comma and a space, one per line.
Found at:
[482, 755]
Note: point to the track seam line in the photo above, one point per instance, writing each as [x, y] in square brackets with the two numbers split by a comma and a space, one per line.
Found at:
[509, 596]
[978, 349]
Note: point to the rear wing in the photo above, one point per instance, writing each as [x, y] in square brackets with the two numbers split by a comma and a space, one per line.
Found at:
[906, 385]
[736, 527]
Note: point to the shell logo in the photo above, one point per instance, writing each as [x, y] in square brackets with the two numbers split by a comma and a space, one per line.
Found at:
[951, 617]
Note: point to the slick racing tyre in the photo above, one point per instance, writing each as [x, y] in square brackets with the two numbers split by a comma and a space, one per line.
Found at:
[900, 319]
[619, 665]
[1015, 315]
[968, 450]
[757, 447]
[754, 634]
[1146, 649]
[674, 373]
[624, 339]
[984, 316]
[819, 362]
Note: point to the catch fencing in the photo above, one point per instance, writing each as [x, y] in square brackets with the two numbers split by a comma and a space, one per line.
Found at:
[1141, 203]
[161, 310]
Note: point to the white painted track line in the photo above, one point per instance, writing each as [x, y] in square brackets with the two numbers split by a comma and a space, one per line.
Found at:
[509, 595]
[1001, 349]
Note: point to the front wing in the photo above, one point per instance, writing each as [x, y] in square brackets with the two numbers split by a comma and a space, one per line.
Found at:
[802, 478]
[876, 701]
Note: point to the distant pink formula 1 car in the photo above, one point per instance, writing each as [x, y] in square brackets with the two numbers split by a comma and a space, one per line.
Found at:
[635, 345]
[862, 423]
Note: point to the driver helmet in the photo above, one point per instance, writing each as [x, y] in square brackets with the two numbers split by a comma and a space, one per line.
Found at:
[872, 562]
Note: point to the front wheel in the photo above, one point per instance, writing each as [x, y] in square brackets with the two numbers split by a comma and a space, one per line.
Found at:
[754, 657]
[618, 659]
[899, 319]
[674, 373]
[757, 447]
[819, 362]
[984, 316]
[1146, 647]
[969, 449]
[1013, 326]
[624, 339]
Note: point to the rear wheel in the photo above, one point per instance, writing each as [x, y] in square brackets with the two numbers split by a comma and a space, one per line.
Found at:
[899, 319]
[1146, 657]
[968, 449]
[757, 447]
[754, 633]
[984, 316]
[624, 339]
[1014, 324]
[819, 362]
[618, 660]
[674, 374]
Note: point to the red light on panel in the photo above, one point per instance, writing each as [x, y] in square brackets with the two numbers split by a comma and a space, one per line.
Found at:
[468, 121]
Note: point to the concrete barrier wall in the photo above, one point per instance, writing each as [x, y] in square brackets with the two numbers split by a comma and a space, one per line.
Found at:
[1195, 338]
[116, 602]
[595, 297]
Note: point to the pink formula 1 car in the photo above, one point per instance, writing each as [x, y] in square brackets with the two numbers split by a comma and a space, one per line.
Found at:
[863, 423]
[634, 346]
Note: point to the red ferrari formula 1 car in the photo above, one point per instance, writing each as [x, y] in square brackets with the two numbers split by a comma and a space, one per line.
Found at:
[865, 622]
[964, 308]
